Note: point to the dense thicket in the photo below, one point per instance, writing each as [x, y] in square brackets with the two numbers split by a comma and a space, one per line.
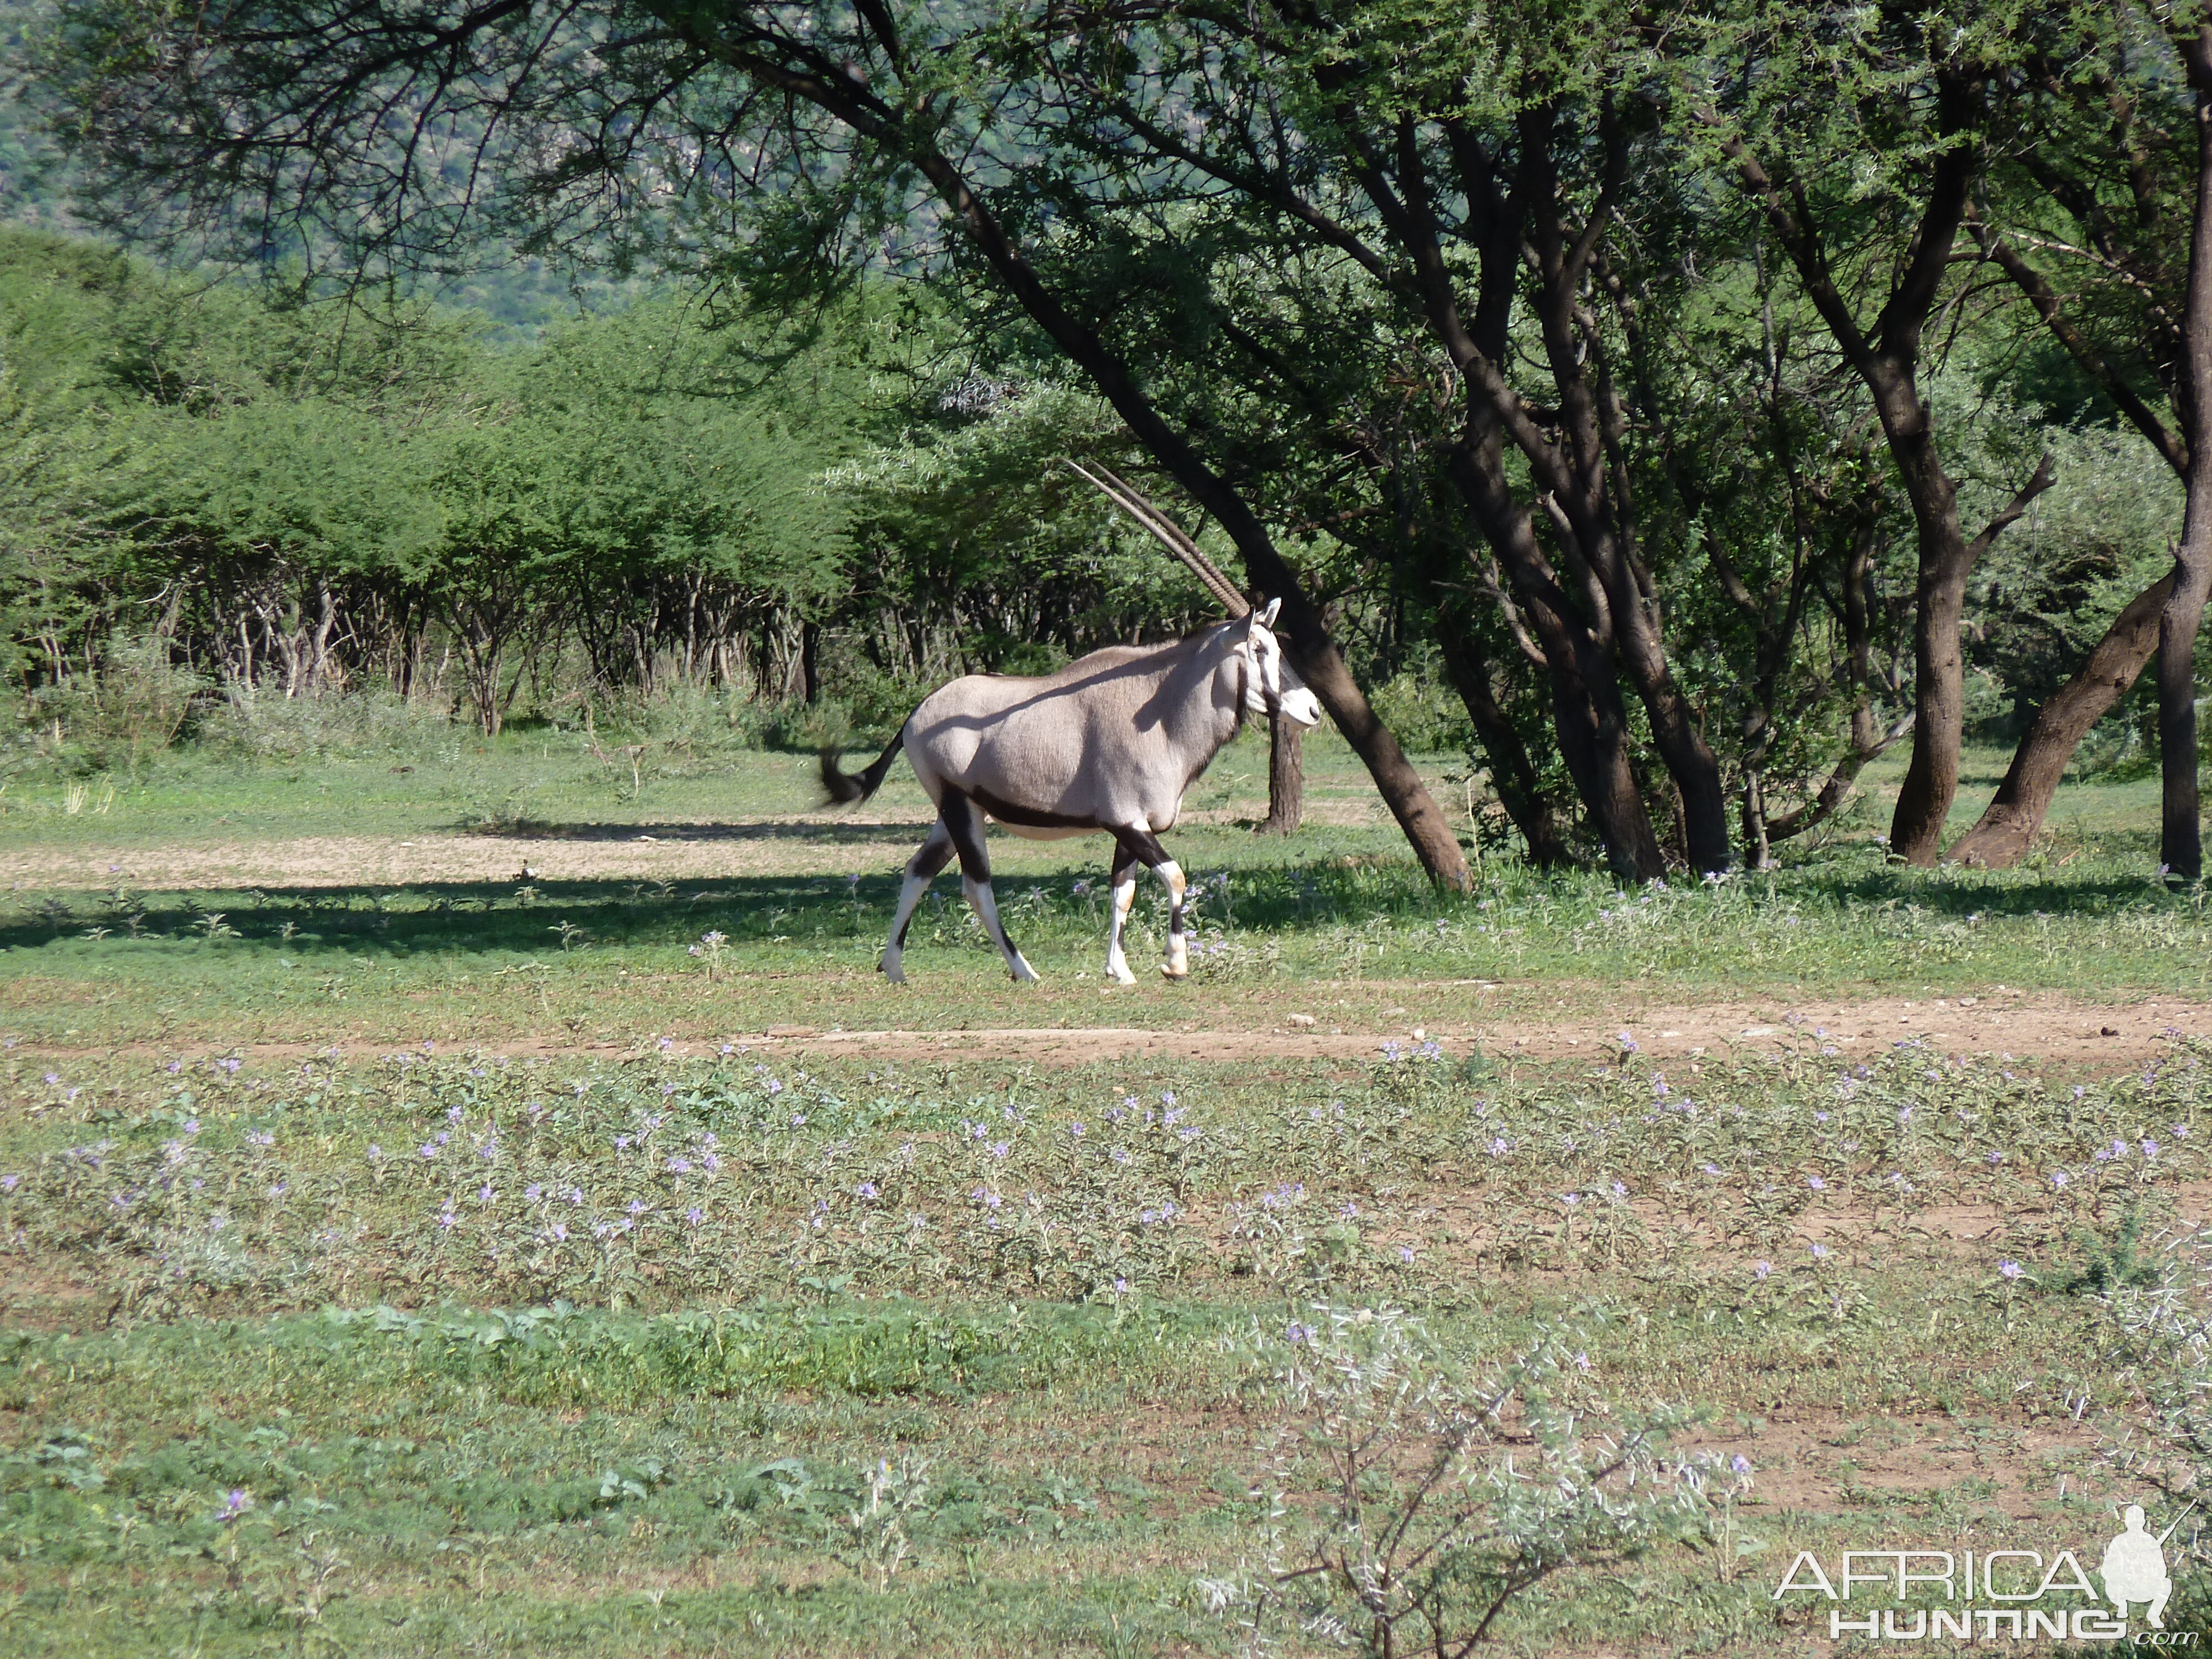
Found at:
[1677, 418]
[298, 501]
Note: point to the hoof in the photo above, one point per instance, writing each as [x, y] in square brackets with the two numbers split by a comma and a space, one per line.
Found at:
[1021, 972]
[1168, 970]
[891, 970]
[1121, 974]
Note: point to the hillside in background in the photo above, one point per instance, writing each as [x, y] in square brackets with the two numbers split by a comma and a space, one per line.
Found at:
[40, 190]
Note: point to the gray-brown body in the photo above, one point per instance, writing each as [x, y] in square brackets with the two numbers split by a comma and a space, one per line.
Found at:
[1110, 743]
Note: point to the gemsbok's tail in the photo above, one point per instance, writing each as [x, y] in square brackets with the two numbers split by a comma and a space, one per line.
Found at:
[844, 790]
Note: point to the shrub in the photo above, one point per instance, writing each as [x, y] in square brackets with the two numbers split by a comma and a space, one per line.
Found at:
[1439, 1490]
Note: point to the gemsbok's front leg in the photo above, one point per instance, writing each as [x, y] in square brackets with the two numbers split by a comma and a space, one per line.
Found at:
[963, 818]
[1177, 966]
[1125, 895]
[932, 856]
[1140, 844]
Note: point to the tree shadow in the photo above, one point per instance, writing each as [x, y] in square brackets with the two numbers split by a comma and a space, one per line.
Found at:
[907, 834]
[544, 915]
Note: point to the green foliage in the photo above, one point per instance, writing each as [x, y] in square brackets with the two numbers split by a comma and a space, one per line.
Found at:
[856, 1458]
[1446, 1485]
[845, 490]
[1420, 708]
[259, 489]
[976, 505]
[2115, 1264]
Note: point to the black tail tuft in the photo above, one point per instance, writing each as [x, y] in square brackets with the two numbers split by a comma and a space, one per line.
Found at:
[843, 790]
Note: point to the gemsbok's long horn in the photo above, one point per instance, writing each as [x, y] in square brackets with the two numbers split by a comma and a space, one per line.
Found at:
[1170, 535]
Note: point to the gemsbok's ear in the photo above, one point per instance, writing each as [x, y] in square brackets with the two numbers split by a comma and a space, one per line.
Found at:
[1267, 613]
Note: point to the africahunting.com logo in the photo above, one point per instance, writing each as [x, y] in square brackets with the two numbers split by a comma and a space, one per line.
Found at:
[1999, 1594]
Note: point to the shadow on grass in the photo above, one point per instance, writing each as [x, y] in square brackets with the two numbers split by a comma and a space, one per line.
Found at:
[905, 835]
[544, 915]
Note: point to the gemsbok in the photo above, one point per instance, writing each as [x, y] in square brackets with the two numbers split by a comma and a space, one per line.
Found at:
[1108, 744]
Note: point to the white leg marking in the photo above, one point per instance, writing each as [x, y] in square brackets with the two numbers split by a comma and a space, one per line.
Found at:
[1177, 966]
[987, 912]
[909, 895]
[1125, 895]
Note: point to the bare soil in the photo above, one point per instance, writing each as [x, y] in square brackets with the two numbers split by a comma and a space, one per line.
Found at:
[1810, 1461]
[2051, 1029]
[2046, 1026]
[799, 844]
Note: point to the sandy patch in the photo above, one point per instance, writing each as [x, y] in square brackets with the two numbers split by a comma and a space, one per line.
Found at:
[2044, 1028]
[811, 844]
[2047, 1027]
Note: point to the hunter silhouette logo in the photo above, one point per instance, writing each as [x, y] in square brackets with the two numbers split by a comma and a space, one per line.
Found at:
[2134, 1568]
[1990, 1594]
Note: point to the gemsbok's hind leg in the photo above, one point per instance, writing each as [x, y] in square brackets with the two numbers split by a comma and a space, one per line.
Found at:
[966, 822]
[1125, 895]
[1140, 844]
[932, 856]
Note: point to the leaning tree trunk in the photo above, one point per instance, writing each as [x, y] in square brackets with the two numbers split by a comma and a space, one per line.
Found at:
[1588, 715]
[1947, 560]
[2180, 842]
[1511, 772]
[2016, 811]
[1286, 778]
[1320, 665]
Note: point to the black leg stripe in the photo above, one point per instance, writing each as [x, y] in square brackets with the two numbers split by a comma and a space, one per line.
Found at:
[965, 825]
[928, 860]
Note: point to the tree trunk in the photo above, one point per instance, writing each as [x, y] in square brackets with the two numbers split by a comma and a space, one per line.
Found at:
[1931, 780]
[1947, 560]
[481, 650]
[1756, 845]
[1322, 667]
[1304, 633]
[2180, 842]
[1588, 713]
[1683, 750]
[1286, 778]
[1858, 666]
[319, 664]
[2016, 811]
[1511, 772]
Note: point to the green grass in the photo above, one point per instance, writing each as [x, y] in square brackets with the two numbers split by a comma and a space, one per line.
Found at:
[656, 1445]
[1339, 912]
[474, 1402]
[414, 774]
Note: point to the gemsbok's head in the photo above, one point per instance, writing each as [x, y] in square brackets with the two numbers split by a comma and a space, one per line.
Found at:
[1271, 686]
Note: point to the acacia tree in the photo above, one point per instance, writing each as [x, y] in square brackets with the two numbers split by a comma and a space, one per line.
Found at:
[831, 132]
[1859, 134]
[680, 494]
[2100, 219]
[1474, 180]
[1767, 449]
